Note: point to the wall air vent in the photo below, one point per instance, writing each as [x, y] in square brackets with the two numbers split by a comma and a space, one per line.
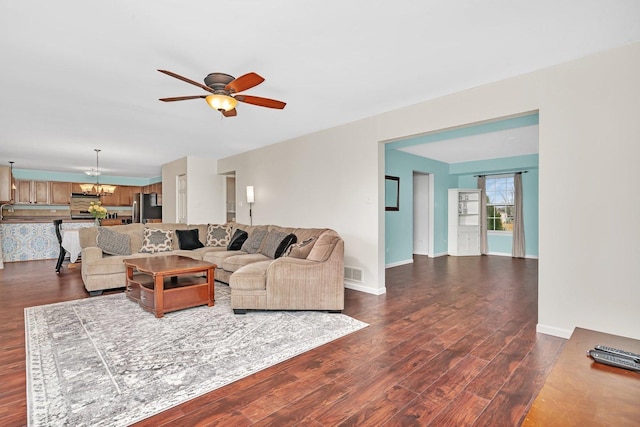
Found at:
[353, 274]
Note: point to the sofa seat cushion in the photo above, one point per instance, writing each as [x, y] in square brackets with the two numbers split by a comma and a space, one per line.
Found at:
[110, 264]
[251, 277]
[187, 253]
[218, 257]
[233, 263]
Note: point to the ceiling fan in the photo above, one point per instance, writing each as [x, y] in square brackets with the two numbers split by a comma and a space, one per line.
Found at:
[224, 92]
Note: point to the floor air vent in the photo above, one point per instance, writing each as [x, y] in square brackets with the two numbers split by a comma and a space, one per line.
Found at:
[353, 274]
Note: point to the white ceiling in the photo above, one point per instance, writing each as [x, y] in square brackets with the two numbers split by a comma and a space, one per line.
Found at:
[81, 74]
[504, 143]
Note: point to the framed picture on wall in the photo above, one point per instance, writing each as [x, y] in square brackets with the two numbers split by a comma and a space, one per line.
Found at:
[391, 193]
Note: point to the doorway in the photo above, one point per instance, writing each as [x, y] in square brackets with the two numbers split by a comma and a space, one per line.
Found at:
[422, 214]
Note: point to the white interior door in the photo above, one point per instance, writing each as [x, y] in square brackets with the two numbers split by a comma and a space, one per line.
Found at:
[181, 198]
[421, 213]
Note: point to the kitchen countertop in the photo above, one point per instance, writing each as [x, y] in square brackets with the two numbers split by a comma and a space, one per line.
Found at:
[39, 219]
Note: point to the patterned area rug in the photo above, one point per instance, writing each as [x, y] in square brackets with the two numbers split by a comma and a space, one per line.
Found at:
[104, 361]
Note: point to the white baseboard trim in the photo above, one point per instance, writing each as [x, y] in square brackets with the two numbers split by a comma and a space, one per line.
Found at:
[395, 264]
[509, 255]
[552, 330]
[440, 254]
[365, 289]
[421, 253]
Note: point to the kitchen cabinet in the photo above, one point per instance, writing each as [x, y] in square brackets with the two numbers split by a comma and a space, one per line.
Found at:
[126, 198]
[122, 196]
[154, 188]
[464, 222]
[111, 199]
[34, 192]
[5, 184]
[60, 193]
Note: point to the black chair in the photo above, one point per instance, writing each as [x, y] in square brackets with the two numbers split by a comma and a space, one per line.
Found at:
[57, 224]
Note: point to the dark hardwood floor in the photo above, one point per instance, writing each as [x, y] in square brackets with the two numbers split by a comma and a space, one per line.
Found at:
[452, 342]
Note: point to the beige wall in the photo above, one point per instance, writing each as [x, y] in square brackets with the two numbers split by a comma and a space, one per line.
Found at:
[589, 146]
[205, 191]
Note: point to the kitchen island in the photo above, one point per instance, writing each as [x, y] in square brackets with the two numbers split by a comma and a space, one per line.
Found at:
[33, 238]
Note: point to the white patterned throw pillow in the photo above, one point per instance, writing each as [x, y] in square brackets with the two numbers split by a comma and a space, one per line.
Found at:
[218, 235]
[154, 240]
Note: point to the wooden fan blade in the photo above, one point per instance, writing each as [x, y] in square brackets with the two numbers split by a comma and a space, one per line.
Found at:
[262, 102]
[230, 113]
[184, 79]
[244, 82]
[182, 98]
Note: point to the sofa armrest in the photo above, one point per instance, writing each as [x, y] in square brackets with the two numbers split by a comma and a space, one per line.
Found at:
[91, 254]
[304, 284]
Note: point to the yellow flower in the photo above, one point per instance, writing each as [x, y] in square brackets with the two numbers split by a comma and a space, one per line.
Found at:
[97, 211]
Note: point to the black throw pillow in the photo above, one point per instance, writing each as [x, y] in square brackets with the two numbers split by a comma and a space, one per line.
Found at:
[188, 239]
[237, 240]
[284, 245]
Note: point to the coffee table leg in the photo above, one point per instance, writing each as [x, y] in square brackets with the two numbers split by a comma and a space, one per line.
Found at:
[158, 294]
[211, 286]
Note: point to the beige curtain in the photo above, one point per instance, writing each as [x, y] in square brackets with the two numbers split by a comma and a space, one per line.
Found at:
[518, 250]
[484, 243]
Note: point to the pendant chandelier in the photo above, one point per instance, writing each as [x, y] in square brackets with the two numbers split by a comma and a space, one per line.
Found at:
[100, 190]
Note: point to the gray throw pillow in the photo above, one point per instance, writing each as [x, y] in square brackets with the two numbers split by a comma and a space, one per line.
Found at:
[154, 240]
[252, 244]
[300, 250]
[218, 235]
[113, 243]
[276, 243]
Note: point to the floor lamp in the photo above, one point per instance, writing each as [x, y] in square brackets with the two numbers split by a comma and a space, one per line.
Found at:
[250, 200]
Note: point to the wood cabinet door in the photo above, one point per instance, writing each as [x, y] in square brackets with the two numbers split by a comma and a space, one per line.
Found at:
[60, 193]
[5, 184]
[124, 196]
[23, 191]
[110, 199]
[40, 192]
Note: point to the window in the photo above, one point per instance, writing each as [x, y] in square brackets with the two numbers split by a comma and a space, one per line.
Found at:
[500, 203]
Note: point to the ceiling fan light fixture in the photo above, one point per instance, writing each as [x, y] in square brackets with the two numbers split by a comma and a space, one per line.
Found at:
[221, 102]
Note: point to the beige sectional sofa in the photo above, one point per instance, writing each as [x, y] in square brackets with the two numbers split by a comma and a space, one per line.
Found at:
[101, 271]
[308, 276]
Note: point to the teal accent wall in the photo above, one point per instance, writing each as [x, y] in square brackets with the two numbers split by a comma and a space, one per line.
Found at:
[37, 175]
[399, 224]
[465, 177]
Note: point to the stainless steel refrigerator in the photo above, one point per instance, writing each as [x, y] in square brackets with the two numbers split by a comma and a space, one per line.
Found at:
[145, 207]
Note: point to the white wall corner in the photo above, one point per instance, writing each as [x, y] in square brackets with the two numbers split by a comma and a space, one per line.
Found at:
[552, 330]
[397, 263]
[365, 289]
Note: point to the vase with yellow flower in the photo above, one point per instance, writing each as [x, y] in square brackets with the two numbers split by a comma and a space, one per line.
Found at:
[97, 211]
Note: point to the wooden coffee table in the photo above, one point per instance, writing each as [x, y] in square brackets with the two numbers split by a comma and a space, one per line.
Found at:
[169, 283]
[581, 392]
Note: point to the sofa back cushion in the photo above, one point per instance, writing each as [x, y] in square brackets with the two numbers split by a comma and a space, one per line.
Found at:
[323, 248]
[88, 235]
[167, 226]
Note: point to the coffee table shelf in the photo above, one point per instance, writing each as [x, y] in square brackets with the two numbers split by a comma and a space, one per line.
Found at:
[168, 283]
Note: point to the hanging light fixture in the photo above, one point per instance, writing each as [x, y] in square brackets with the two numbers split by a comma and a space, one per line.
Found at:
[101, 190]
